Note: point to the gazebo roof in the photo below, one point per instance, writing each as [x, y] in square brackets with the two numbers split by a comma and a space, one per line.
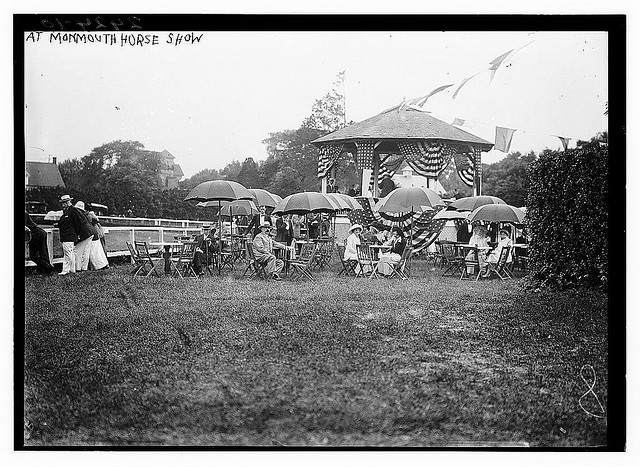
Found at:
[406, 124]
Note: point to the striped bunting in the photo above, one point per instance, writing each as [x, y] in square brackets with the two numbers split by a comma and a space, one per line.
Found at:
[425, 228]
[329, 154]
[428, 160]
[464, 167]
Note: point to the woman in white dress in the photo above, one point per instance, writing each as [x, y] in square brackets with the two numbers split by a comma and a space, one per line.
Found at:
[494, 257]
[392, 257]
[350, 251]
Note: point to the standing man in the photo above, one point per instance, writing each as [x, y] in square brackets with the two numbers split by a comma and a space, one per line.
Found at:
[38, 251]
[263, 246]
[258, 220]
[75, 238]
[331, 186]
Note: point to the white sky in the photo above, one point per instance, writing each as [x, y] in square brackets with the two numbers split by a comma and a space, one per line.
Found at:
[215, 101]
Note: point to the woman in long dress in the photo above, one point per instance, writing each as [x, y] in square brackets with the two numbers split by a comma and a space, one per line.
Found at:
[392, 257]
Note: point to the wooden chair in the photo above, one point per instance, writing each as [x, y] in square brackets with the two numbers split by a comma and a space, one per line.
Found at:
[471, 262]
[402, 270]
[366, 260]
[143, 262]
[183, 261]
[451, 261]
[254, 268]
[303, 264]
[348, 266]
[502, 268]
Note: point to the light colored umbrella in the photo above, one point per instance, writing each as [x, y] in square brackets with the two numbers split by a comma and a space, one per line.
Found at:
[409, 199]
[264, 197]
[497, 213]
[471, 203]
[342, 204]
[53, 216]
[451, 215]
[350, 200]
[219, 190]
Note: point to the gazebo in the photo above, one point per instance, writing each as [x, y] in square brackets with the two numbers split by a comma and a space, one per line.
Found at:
[381, 143]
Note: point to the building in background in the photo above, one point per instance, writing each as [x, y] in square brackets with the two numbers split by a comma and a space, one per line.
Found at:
[42, 174]
[170, 172]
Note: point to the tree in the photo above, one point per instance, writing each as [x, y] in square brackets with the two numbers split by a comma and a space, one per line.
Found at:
[202, 176]
[249, 175]
[509, 178]
[71, 172]
[329, 113]
[286, 182]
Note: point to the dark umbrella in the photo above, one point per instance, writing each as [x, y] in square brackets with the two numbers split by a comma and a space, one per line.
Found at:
[350, 200]
[304, 203]
[219, 190]
[264, 198]
[471, 203]
[405, 199]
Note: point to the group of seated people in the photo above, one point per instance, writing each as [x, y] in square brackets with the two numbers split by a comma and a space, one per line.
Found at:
[395, 241]
[488, 259]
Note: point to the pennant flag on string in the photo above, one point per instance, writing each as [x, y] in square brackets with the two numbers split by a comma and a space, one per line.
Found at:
[458, 121]
[423, 100]
[496, 62]
[564, 141]
[503, 138]
[464, 81]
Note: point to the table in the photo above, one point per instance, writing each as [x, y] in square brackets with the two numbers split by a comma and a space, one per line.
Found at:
[167, 253]
[377, 249]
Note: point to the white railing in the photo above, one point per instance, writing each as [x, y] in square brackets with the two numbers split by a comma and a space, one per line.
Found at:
[118, 247]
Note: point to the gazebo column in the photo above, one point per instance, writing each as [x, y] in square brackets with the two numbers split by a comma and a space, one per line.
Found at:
[323, 182]
[376, 171]
[477, 174]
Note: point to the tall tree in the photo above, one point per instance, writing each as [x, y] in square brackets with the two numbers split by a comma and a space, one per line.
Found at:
[508, 178]
[202, 176]
[249, 175]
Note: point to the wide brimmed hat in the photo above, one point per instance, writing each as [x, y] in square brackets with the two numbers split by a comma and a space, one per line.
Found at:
[506, 232]
[65, 198]
[265, 224]
[80, 205]
[354, 227]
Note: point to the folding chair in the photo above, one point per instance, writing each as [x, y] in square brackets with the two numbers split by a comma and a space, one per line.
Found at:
[305, 261]
[366, 259]
[143, 263]
[450, 260]
[403, 268]
[471, 262]
[184, 261]
[325, 253]
[348, 266]
[254, 267]
[502, 268]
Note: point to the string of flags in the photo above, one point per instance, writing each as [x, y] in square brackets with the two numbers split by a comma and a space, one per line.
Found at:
[503, 135]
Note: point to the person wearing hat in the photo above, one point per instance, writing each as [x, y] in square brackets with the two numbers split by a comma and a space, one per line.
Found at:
[494, 257]
[392, 257]
[479, 239]
[353, 240]
[82, 248]
[72, 233]
[263, 245]
[371, 235]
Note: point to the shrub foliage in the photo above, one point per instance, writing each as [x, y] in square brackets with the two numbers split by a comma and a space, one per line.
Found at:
[568, 217]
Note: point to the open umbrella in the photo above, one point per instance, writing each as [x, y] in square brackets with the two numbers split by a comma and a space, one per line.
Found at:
[405, 199]
[343, 205]
[304, 203]
[473, 202]
[242, 207]
[349, 200]
[219, 190]
[451, 215]
[264, 198]
[497, 213]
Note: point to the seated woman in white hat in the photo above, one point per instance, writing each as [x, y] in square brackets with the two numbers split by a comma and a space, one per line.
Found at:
[350, 251]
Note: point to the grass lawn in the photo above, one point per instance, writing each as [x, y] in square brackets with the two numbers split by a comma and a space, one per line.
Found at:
[338, 361]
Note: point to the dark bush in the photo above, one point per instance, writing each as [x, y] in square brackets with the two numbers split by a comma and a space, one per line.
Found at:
[568, 217]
